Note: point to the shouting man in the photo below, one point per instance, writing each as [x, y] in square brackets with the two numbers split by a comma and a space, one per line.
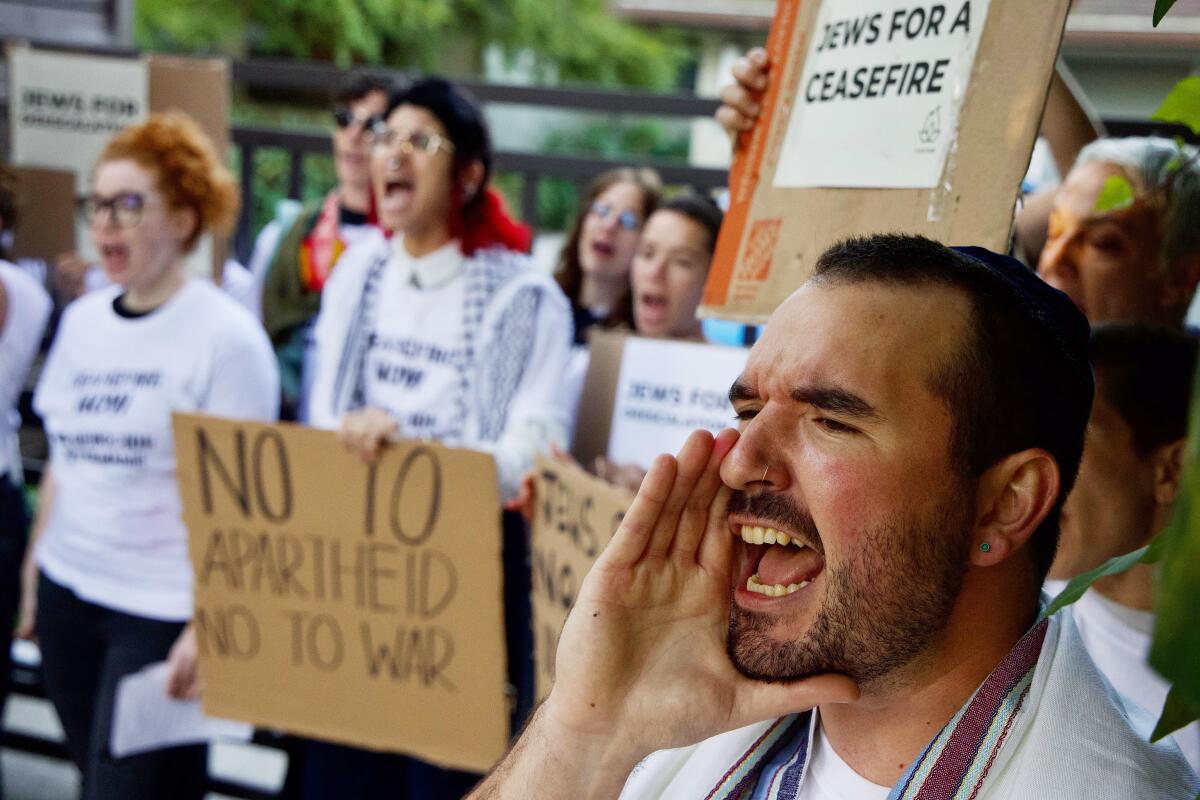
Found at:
[842, 599]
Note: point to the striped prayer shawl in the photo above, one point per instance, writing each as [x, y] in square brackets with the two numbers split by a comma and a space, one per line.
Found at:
[953, 766]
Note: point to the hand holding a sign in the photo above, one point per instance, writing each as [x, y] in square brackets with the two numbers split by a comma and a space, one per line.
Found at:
[741, 101]
[645, 643]
[365, 431]
[183, 681]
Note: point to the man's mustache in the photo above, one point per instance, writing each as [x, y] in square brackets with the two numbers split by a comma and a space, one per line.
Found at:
[780, 510]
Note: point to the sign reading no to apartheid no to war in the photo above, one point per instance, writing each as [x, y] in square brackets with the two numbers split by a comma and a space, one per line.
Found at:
[882, 116]
[643, 397]
[343, 601]
[576, 515]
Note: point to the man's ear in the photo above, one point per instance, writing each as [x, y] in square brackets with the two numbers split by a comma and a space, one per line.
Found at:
[1167, 462]
[1182, 278]
[1015, 494]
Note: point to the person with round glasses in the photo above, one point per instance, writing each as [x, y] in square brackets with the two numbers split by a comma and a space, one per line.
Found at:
[108, 581]
[296, 252]
[593, 266]
[439, 328]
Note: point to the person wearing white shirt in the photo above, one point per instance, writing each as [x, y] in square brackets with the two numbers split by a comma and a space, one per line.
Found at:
[1128, 479]
[860, 562]
[24, 310]
[443, 331]
[108, 582]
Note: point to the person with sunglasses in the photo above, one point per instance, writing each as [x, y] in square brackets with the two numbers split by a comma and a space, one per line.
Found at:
[593, 267]
[108, 581]
[439, 329]
[296, 252]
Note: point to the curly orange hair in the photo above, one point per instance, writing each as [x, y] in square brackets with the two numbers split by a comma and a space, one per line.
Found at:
[186, 166]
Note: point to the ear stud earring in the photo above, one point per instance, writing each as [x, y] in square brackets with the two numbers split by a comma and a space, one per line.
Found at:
[985, 547]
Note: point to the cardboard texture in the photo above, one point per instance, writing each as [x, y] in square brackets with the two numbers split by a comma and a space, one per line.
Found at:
[772, 236]
[575, 516]
[359, 604]
[593, 420]
[45, 195]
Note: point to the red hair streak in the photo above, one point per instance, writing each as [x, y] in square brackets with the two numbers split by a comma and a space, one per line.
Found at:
[487, 223]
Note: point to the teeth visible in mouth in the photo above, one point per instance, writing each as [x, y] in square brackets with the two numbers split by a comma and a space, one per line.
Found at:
[752, 534]
[772, 590]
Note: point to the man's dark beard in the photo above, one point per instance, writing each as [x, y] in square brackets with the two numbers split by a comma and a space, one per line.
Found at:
[879, 611]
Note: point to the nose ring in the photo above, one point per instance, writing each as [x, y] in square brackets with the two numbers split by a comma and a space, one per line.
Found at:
[766, 469]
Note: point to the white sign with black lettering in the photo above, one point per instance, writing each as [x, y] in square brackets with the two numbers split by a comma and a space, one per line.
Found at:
[878, 102]
[64, 108]
[666, 390]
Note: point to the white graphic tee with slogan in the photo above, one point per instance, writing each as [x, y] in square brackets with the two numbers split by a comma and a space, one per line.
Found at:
[115, 535]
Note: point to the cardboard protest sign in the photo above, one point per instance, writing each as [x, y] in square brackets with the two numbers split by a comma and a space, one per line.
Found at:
[575, 516]
[44, 194]
[882, 116]
[64, 107]
[643, 397]
[344, 601]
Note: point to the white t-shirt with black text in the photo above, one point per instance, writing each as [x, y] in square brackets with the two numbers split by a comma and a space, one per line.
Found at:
[115, 535]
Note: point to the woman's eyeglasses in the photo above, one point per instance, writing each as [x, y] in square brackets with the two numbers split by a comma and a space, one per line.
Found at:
[124, 209]
[409, 142]
[344, 117]
[626, 219]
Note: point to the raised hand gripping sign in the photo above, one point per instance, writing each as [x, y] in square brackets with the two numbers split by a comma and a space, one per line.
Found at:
[344, 601]
[908, 116]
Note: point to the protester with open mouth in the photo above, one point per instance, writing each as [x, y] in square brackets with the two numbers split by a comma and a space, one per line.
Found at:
[671, 266]
[439, 329]
[842, 598]
[593, 268]
[108, 581]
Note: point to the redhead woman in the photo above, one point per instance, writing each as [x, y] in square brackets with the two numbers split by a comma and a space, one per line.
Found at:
[108, 584]
[437, 327]
[593, 269]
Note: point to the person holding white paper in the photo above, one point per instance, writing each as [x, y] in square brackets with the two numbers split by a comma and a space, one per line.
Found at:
[108, 581]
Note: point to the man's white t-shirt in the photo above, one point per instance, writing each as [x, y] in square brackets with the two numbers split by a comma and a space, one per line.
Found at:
[1118, 640]
[20, 334]
[831, 778]
[115, 535]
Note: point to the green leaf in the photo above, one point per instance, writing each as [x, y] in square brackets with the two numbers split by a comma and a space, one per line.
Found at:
[1182, 105]
[1176, 634]
[1116, 194]
[1161, 7]
[1081, 583]
[1177, 712]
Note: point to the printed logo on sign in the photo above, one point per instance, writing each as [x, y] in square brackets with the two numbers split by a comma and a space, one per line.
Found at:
[932, 129]
[760, 250]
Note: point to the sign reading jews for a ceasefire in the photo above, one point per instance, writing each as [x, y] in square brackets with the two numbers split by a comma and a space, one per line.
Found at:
[900, 116]
[575, 516]
[872, 60]
[345, 601]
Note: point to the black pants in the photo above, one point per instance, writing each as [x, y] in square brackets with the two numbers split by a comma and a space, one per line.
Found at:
[86, 650]
[14, 528]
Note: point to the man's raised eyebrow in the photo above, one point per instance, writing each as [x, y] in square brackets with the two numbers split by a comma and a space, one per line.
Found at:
[837, 400]
[741, 391]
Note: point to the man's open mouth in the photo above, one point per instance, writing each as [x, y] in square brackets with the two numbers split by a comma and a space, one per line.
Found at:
[780, 564]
